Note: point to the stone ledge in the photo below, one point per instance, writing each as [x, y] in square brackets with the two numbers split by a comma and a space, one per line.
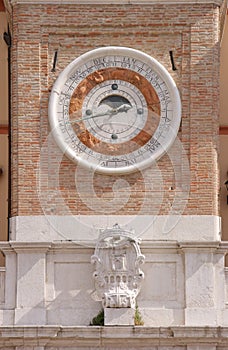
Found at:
[129, 2]
[88, 246]
[112, 336]
[148, 246]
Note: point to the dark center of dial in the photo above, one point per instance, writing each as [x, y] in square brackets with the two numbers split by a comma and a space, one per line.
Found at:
[118, 118]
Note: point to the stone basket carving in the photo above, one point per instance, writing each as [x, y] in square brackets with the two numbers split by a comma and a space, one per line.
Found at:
[117, 261]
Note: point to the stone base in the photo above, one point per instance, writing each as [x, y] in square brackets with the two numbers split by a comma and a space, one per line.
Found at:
[119, 317]
[32, 291]
[103, 338]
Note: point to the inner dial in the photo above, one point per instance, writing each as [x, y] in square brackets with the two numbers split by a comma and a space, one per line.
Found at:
[117, 110]
[114, 111]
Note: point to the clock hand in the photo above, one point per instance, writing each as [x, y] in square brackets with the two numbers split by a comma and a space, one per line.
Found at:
[123, 108]
[112, 112]
[90, 117]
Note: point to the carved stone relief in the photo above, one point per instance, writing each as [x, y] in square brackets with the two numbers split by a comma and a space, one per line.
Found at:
[117, 260]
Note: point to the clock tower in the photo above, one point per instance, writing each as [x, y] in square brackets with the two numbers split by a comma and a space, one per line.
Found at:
[114, 129]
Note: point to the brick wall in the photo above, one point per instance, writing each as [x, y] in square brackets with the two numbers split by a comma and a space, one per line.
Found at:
[190, 31]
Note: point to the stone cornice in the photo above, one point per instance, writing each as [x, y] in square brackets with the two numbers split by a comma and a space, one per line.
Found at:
[109, 336]
[24, 247]
[201, 247]
[88, 246]
[103, 2]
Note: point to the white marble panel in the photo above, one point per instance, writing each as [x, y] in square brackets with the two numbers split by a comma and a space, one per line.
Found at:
[84, 228]
[226, 286]
[163, 285]
[160, 282]
[200, 282]
[71, 298]
[30, 279]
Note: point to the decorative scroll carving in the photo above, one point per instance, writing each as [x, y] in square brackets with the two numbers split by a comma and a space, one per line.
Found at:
[118, 275]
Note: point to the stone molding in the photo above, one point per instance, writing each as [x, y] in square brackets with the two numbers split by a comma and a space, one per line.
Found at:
[24, 247]
[114, 2]
[96, 336]
[75, 246]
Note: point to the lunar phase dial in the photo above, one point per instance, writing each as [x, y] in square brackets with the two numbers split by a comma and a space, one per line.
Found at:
[114, 110]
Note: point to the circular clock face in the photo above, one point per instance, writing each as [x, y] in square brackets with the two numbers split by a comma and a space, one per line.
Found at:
[115, 110]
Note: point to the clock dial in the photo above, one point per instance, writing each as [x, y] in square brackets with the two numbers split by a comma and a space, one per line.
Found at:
[115, 110]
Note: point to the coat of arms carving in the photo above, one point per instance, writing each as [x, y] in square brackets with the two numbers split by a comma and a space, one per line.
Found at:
[117, 259]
